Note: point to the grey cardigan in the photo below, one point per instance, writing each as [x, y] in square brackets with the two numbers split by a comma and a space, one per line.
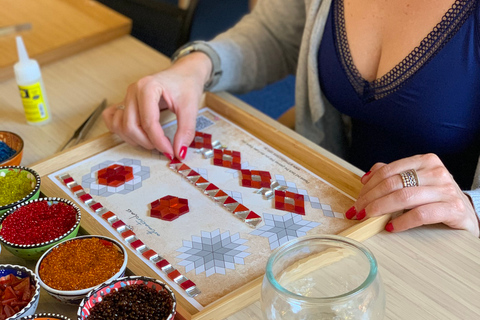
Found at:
[281, 37]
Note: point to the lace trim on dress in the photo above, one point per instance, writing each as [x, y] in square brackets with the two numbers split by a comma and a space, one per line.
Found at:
[393, 80]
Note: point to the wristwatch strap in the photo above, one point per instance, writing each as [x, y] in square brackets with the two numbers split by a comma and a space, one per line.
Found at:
[202, 46]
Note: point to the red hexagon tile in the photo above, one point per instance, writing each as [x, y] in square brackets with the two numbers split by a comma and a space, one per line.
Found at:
[114, 175]
[169, 208]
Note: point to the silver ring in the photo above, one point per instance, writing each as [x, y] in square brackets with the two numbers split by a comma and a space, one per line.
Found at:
[120, 107]
[410, 178]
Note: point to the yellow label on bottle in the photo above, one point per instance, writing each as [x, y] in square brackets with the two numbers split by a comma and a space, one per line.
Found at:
[34, 103]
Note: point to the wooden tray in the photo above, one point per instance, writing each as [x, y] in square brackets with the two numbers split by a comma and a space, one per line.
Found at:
[284, 140]
[60, 28]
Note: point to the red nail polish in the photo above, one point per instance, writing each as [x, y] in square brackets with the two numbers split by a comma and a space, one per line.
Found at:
[366, 174]
[350, 213]
[183, 152]
[389, 227]
[361, 214]
[168, 155]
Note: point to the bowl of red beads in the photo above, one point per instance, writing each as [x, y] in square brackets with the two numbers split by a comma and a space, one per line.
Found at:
[72, 268]
[19, 292]
[31, 228]
[45, 316]
[17, 184]
[133, 297]
[11, 149]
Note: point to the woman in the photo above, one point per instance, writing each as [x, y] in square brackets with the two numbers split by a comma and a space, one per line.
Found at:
[389, 86]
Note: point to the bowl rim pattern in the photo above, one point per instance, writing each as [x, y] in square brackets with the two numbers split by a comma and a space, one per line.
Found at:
[36, 295]
[53, 316]
[35, 189]
[41, 244]
[67, 293]
[17, 152]
[126, 279]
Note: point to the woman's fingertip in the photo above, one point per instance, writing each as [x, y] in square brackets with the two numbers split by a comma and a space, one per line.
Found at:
[350, 213]
[168, 155]
[183, 152]
[389, 227]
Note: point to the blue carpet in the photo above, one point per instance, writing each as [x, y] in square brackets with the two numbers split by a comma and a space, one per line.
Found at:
[215, 16]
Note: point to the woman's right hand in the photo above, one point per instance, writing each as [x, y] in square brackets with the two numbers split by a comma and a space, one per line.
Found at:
[179, 88]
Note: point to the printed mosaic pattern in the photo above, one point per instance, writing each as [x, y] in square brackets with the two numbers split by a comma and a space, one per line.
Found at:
[314, 201]
[92, 182]
[129, 236]
[280, 229]
[213, 252]
[227, 158]
[169, 208]
[220, 196]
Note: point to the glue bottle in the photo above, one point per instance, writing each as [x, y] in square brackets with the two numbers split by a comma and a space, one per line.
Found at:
[32, 89]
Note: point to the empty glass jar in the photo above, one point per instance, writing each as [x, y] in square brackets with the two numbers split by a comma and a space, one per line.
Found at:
[322, 277]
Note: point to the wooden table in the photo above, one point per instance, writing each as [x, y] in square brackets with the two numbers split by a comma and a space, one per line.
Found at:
[429, 273]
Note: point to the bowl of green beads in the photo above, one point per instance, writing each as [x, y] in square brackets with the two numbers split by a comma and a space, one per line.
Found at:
[17, 185]
[32, 227]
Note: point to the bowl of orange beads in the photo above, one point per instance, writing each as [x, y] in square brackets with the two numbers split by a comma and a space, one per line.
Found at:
[31, 228]
[11, 149]
[45, 316]
[73, 267]
[17, 185]
[19, 292]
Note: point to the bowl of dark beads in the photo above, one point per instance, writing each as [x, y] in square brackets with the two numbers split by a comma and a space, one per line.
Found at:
[11, 149]
[17, 185]
[31, 228]
[129, 298]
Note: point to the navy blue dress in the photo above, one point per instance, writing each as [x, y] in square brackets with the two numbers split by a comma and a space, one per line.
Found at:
[430, 102]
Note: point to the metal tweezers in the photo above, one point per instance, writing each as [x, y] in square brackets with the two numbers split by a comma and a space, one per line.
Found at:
[82, 131]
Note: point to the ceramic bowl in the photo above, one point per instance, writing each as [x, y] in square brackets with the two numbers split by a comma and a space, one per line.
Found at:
[96, 296]
[45, 316]
[35, 182]
[22, 272]
[76, 296]
[15, 142]
[34, 251]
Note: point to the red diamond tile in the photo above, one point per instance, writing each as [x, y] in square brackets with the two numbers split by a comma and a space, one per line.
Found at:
[227, 158]
[256, 179]
[202, 140]
[289, 201]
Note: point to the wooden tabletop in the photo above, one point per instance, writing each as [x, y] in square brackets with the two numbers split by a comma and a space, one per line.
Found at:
[429, 273]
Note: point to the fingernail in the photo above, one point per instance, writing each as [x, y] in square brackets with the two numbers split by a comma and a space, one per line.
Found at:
[389, 227]
[361, 214]
[169, 156]
[366, 174]
[350, 213]
[183, 152]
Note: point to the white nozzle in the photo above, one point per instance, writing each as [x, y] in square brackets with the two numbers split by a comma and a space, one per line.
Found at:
[22, 52]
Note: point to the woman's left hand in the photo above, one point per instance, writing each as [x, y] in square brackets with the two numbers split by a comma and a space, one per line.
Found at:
[436, 199]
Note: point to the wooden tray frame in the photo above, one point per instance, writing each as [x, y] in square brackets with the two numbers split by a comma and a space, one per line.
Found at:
[311, 156]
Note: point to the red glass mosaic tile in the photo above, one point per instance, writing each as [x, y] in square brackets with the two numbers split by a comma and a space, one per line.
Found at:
[174, 274]
[149, 253]
[108, 215]
[137, 244]
[187, 284]
[202, 140]
[128, 234]
[227, 158]
[85, 197]
[162, 263]
[256, 179]
[114, 175]
[96, 206]
[118, 224]
[169, 208]
[76, 188]
[68, 180]
[289, 201]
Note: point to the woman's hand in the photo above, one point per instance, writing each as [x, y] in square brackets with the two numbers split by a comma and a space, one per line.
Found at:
[179, 88]
[436, 199]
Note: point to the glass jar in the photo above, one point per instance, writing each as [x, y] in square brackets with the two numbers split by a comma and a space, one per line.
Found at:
[322, 277]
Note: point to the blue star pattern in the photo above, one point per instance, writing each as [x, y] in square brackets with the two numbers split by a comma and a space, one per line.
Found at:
[213, 252]
[280, 229]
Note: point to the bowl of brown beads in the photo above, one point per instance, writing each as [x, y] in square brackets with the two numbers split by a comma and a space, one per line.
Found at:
[17, 185]
[30, 228]
[72, 268]
[19, 292]
[133, 297]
